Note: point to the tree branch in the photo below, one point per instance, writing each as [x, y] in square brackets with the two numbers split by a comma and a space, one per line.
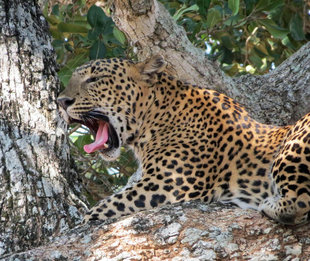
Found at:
[151, 29]
[188, 231]
[280, 97]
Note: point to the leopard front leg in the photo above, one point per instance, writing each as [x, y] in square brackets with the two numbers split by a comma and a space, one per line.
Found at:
[290, 202]
[288, 209]
[146, 194]
[290, 175]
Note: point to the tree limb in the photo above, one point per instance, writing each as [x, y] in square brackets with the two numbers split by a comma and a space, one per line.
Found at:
[279, 97]
[188, 231]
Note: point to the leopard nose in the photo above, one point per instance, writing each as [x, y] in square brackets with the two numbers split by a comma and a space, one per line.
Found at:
[65, 102]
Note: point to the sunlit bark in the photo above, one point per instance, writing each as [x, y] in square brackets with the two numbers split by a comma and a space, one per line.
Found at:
[38, 188]
[280, 97]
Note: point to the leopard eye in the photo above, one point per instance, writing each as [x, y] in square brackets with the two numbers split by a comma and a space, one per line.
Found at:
[92, 79]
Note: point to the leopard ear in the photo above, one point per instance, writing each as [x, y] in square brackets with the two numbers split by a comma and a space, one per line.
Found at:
[150, 67]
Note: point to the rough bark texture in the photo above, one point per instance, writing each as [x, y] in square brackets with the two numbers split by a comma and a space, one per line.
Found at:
[190, 231]
[36, 199]
[280, 97]
[150, 30]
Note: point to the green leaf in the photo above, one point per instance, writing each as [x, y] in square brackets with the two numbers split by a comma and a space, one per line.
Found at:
[249, 5]
[250, 69]
[80, 20]
[255, 58]
[58, 43]
[214, 16]
[56, 33]
[80, 141]
[69, 47]
[119, 35]
[66, 71]
[96, 17]
[296, 28]
[230, 69]
[268, 5]
[72, 28]
[108, 30]
[227, 56]
[275, 30]
[203, 6]
[227, 42]
[252, 26]
[117, 52]
[53, 20]
[287, 42]
[264, 66]
[97, 51]
[234, 20]
[234, 6]
[94, 33]
[184, 10]
[55, 10]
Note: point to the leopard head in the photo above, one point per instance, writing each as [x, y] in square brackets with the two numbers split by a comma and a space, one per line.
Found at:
[110, 97]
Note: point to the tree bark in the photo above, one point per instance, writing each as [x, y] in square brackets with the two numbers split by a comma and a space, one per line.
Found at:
[38, 186]
[279, 97]
[189, 231]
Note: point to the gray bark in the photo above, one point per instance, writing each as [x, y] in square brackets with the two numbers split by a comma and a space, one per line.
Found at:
[38, 188]
[279, 97]
[189, 231]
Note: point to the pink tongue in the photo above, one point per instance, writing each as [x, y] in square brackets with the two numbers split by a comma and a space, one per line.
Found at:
[101, 138]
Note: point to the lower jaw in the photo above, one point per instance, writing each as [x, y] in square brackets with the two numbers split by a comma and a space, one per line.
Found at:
[110, 155]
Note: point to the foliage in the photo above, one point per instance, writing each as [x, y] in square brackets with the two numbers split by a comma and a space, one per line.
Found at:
[244, 35]
[80, 35]
[100, 178]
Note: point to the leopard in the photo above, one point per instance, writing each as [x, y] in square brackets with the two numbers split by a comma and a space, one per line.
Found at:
[192, 143]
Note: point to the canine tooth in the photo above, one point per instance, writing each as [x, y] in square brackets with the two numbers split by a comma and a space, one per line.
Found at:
[106, 145]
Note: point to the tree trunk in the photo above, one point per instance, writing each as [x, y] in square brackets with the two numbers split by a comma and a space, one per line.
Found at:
[280, 97]
[38, 188]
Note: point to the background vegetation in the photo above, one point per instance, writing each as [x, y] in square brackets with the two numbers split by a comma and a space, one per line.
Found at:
[245, 36]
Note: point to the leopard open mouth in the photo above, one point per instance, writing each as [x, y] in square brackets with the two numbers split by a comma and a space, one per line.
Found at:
[104, 133]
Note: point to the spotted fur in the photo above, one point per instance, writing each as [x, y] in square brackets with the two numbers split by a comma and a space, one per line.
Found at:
[192, 143]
